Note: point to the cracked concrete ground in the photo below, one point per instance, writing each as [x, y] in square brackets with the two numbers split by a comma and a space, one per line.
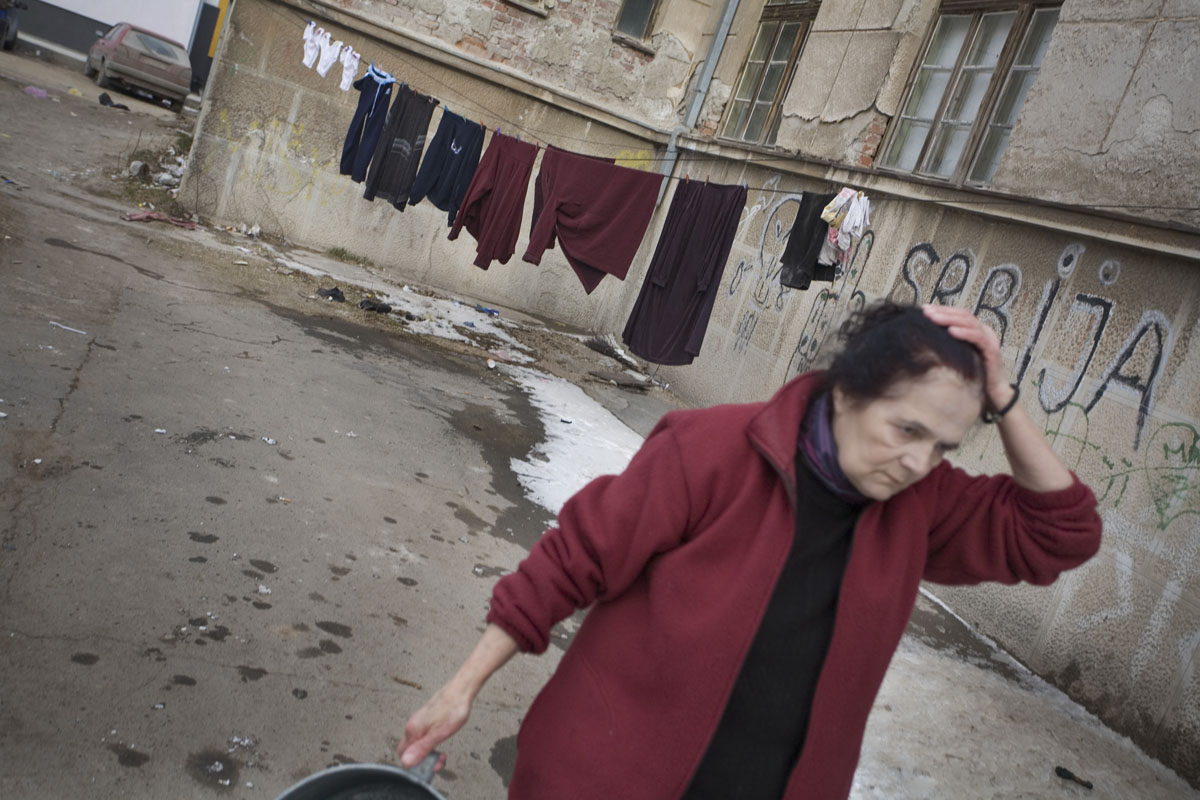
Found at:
[192, 611]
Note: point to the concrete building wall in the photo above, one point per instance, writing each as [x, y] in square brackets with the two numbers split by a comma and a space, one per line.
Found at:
[1096, 317]
[1114, 118]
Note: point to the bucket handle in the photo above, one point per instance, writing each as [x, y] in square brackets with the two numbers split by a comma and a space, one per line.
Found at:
[424, 771]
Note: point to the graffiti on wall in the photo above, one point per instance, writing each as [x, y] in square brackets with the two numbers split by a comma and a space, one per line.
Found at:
[756, 279]
[1139, 361]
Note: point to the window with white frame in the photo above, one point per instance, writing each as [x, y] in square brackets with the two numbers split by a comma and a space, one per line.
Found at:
[754, 111]
[979, 64]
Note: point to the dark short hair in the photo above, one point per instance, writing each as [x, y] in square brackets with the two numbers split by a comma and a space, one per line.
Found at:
[886, 343]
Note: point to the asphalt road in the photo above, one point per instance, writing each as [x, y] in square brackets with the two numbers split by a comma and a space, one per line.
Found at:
[187, 607]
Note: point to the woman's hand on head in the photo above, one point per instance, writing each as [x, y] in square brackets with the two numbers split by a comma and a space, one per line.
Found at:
[962, 324]
[435, 722]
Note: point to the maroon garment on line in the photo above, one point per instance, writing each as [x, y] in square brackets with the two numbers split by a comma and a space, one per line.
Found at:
[495, 200]
[598, 211]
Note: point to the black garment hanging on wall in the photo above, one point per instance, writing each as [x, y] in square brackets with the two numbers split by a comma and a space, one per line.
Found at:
[670, 317]
[449, 164]
[799, 261]
[394, 165]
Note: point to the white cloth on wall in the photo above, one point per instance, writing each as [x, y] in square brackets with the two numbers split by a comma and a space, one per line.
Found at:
[329, 54]
[349, 61]
[312, 48]
[856, 221]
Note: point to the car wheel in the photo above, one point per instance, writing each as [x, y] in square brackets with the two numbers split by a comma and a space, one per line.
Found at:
[102, 79]
[88, 70]
[9, 44]
[174, 105]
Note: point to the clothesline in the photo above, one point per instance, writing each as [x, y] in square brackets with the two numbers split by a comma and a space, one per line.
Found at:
[691, 157]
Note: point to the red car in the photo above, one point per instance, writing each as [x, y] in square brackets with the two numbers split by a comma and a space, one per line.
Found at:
[143, 60]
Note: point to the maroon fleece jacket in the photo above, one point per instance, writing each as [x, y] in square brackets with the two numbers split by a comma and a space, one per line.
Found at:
[678, 556]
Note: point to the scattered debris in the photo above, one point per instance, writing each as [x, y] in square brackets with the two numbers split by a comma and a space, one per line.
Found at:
[263, 589]
[607, 344]
[159, 706]
[138, 169]
[10, 182]
[1067, 775]
[74, 92]
[567, 420]
[37, 461]
[491, 363]
[107, 101]
[65, 328]
[623, 380]
[269, 441]
[166, 179]
[36, 91]
[241, 263]
[3, 415]
[469, 324]
[368, 304]
[491, 311]
[334, 294]
[253, 231]
[160, 430]
[158, 216]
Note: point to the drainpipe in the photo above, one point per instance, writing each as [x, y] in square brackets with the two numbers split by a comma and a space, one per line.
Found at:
[698, 93]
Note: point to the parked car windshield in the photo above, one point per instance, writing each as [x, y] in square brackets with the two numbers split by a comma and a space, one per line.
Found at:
[160, 48]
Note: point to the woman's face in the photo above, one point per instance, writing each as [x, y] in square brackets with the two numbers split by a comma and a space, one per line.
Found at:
[888, 444]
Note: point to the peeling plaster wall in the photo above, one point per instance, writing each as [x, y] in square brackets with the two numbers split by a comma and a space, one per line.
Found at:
[1114, 117]
[851, 77]
[570, 48]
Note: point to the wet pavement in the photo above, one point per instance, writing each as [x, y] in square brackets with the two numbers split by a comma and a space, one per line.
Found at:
[245, 531]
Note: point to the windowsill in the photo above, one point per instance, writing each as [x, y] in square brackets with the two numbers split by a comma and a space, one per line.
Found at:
[637, 44]
[533, 8]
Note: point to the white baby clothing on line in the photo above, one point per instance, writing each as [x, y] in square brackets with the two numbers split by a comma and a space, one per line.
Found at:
[311, 48]
[329, 54]
[349, 61]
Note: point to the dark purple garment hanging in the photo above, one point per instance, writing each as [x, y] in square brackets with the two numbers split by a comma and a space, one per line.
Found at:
[670, 317]
[598, 212]
[495, 201]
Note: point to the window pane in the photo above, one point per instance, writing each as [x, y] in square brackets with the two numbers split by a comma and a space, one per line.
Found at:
[947, 41]
[990, 38]
[989, 154]
[766, 32]
[784, 47]
[635, 17]
[1038, 38]
[972, 86]
[946, 150]
[1019, 84]
[906, 145]
[754, 128]
[734, 121]
[927, 93]
[771, 81]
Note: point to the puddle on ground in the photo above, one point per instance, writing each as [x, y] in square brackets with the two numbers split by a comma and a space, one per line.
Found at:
[214, 768]
[203, 538]
[504, 758]
[336, 629]
[87, 659]
[250, 673]
[127, 756]
[264, 566]
[215, 500]
[183, 680]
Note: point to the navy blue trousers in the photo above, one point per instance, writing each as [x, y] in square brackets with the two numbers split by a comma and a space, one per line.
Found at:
[375, 88]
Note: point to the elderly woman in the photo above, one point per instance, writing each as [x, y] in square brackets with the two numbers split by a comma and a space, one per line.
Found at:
[753, 569]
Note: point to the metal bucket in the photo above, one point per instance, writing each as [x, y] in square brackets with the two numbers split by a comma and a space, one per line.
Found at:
[368, 782]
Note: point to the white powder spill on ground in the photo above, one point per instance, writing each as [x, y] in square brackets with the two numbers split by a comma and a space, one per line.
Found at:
[945, 728]
[593, 443]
